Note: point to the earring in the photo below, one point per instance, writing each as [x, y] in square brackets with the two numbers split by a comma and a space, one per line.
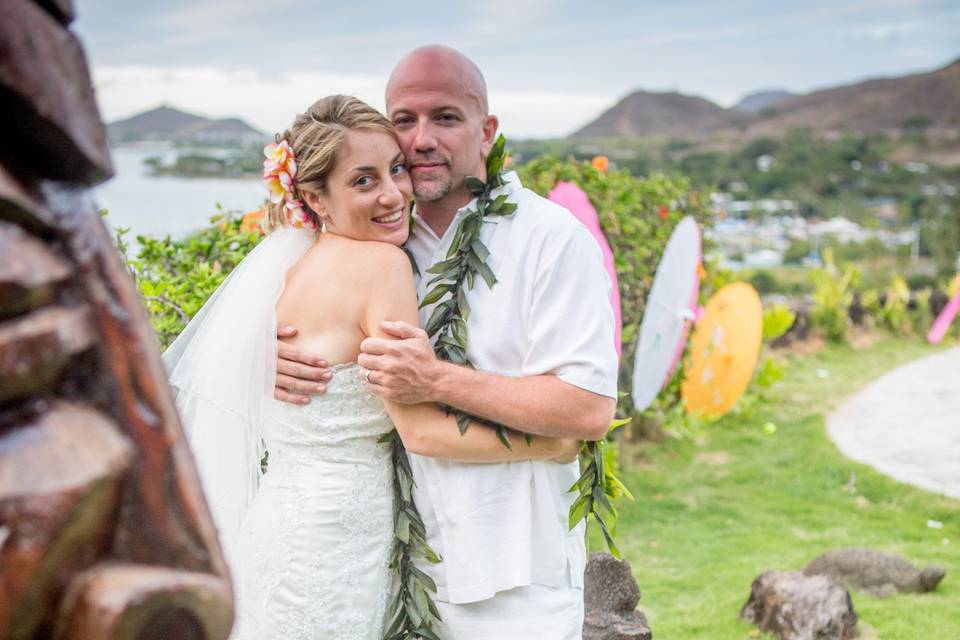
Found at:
[323, 226]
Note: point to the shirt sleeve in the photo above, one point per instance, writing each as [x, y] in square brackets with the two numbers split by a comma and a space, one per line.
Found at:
[571, 321]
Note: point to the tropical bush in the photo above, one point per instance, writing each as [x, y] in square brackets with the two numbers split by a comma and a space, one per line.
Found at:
[176, 276]
[840, 297]
[832, 295]
[889, 307]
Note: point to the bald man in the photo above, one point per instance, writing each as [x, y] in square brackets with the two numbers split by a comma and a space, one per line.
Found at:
[542, 344]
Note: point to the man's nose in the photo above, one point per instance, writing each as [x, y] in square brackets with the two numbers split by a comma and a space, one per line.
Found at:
[423, 139]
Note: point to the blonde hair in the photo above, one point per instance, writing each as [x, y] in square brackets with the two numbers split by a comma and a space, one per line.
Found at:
[315, 137]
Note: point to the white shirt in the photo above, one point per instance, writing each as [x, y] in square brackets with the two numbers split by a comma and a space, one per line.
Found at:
[504, 525]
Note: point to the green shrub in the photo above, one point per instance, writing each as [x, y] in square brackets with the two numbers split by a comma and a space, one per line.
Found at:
[891, 310]
[920, 316]
[175, 277]
[764, 282]
[832, 296]
[777, 320]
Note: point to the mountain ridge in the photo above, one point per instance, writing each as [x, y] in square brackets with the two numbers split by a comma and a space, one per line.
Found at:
[169, 123]
[918, 100]
[757, 101]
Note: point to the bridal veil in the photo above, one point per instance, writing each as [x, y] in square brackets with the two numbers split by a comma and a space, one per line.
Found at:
[223, 370]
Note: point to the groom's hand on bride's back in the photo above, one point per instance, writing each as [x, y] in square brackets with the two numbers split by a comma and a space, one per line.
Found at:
[299, 374]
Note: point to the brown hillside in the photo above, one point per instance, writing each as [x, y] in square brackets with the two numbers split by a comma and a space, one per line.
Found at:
[644, 113]
[167, 123]
[874, 105]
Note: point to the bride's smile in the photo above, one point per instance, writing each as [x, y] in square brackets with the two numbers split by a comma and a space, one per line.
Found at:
[368, 192]
[391, 218]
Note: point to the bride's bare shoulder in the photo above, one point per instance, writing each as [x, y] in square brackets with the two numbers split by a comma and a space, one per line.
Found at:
[362, 261]
[378, 261]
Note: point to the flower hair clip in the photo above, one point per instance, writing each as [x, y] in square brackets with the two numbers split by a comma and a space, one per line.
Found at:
[279, 173]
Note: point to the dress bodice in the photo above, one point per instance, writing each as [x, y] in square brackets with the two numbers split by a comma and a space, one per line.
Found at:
[343, 423]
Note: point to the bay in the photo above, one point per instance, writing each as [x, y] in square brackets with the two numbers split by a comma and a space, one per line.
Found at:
[158, 206]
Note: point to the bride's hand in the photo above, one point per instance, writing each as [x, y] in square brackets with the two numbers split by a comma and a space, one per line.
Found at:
[299, 374]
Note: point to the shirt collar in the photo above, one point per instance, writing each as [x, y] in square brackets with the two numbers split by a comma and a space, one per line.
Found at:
[511, 184]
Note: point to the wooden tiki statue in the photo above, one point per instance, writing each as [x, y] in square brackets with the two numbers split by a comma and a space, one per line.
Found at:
[104, 533]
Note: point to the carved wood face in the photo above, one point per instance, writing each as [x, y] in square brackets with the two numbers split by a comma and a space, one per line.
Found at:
[103, 529]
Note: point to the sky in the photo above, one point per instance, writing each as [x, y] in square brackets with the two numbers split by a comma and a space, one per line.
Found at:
[550, 67]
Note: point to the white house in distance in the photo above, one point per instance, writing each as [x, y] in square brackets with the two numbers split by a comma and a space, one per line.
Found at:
[746, 240]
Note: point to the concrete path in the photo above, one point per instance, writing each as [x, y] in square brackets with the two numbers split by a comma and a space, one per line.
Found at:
[907, 423]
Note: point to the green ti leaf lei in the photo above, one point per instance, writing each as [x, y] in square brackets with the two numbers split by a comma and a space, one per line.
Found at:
[411, 613]
[465, 260]
[598, 488]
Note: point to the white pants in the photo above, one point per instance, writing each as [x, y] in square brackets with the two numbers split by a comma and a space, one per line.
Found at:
[525, 613]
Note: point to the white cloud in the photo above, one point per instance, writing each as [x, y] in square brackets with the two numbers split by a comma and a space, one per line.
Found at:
[500, 15]
[214, 13]
[545, 114]
[885, 31]
[269, 102]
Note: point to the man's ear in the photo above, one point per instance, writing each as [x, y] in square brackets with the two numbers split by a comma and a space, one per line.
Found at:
[490, 126]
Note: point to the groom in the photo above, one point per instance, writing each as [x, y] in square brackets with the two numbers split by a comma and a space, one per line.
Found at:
[542, 342]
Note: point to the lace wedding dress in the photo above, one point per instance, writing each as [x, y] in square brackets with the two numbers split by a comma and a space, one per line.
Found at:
[313, 550]
[308, 541]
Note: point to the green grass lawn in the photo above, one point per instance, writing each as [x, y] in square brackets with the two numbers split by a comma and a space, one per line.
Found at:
[711, 514]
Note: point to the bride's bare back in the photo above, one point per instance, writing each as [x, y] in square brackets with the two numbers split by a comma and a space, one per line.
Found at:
[332, 291]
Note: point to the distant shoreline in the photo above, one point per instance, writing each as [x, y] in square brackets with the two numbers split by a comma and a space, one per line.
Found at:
[171, 159]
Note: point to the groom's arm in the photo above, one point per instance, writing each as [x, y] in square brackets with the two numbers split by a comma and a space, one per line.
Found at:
[406, 370]
[570, 356]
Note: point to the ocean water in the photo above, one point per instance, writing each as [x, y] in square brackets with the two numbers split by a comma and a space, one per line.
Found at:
[158, 206]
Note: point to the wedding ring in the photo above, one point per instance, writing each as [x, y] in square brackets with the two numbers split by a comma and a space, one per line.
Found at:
[366, 376]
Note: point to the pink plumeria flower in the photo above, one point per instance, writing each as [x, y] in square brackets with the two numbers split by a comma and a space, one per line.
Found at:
[279, 170]
[278, 151]
[275, 189]
[286, 181]
[297, 216]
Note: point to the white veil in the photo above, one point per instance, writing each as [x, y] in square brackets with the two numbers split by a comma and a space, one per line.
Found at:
[223, 370]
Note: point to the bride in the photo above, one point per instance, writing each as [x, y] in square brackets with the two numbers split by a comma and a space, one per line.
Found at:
[308, 541]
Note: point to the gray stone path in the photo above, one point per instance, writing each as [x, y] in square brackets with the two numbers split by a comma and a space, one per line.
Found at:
[906, 424]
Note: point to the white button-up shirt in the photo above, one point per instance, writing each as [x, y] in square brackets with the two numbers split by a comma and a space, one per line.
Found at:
[504, 525]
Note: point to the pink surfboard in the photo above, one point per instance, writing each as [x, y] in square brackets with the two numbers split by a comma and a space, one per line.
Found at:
[572, 197]
[942, 323]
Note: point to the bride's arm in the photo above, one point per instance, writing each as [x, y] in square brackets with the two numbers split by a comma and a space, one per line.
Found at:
[426, 429]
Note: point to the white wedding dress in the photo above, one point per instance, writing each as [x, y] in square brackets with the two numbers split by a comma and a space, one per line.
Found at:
[313, 549]
[308, 541]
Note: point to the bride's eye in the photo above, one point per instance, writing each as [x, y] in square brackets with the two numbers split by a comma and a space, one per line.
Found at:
[363, 181]
[398, 168]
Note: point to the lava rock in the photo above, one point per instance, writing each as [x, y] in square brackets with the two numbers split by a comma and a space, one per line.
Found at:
[610, 596]
[793, 606]
[875, 572]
